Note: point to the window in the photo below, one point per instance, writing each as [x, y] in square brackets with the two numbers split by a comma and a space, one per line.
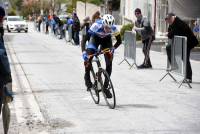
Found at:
[162, 10]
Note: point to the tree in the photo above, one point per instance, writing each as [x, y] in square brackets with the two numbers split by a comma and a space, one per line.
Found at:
[115, 5]
[12, 13]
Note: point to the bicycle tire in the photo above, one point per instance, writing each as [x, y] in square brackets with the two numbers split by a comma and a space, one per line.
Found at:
[94, 91]
[111, 102]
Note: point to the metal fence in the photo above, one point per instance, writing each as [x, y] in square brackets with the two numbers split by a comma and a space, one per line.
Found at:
[178, 55]
[178, 63]
[129, 48]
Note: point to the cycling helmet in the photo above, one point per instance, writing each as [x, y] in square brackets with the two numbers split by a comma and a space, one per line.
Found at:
[108, 20]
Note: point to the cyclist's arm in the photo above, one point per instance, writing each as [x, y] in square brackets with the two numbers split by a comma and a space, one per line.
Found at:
[117, 35]
[119, 41]
[83, 45]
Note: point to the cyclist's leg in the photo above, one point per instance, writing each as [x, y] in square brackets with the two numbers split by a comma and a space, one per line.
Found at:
[88, 66]
[91, 48]
[107, 43]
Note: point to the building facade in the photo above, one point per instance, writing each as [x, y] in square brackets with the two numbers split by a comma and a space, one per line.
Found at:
[127, 8]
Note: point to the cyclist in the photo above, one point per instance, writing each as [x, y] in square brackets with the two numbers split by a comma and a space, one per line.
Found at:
[100, 35]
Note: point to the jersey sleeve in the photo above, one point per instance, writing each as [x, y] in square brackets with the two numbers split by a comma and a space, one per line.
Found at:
[93, 29]
[115, 31]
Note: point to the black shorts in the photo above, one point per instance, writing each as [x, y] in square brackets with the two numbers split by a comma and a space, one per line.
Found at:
[102, 42]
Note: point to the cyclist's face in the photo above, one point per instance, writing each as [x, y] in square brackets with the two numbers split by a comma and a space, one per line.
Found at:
[107, 29]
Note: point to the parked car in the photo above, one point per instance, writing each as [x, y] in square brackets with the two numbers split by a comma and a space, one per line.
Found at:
[63, 17]
[15, 23]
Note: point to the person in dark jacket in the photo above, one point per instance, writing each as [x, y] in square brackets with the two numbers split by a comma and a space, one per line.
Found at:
[76, 29]
[2, 14]
[180, 28]
[5, 71]
[85, 35]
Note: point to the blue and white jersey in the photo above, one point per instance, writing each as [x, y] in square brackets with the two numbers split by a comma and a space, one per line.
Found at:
[70, 21]
[97, 29]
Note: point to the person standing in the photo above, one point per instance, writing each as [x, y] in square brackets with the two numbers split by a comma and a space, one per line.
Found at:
[177, 27]
[5, 71]
[96, 16]
[76, 29]
[85, 35]
[143, 27]
[39, 20]
[47, 19]
[69, 28]
[2, 14]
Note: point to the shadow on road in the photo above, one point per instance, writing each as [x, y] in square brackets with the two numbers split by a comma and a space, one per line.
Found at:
[137, 106]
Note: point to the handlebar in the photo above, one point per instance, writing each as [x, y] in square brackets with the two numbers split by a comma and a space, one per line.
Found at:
[99, 52]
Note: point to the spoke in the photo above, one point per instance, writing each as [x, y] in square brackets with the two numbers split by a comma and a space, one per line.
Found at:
[109, 88]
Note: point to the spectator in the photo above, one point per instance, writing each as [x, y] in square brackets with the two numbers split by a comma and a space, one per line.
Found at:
[53, 24]
[69, 28]
[85, 36]
[39, 20]
[58, 26]
[180, 28]
[2, 14]
[47, 19]
[5, 72]
[96, 16]
[76, 29]
[143, 27]
[196, 29]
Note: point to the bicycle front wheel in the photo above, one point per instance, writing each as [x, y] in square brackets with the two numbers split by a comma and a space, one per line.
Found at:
[94, 92]
[106, 84]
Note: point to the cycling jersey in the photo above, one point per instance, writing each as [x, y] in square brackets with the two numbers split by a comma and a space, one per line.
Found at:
[97, 29]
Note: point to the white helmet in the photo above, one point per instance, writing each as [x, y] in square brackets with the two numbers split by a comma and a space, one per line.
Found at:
[108, 20]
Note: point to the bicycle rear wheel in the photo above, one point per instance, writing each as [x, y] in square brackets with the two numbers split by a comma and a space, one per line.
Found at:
[106, 84]
[94, 90]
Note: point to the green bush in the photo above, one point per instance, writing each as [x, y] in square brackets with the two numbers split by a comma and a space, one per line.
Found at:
[64, 21]
[198, 44]
[128, 27]
[70, 9]
[124, 28]
[96, 2]
[12, 12]
[138, 37]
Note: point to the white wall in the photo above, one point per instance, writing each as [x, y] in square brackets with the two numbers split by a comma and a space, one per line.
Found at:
[90, 10]
[131, 5]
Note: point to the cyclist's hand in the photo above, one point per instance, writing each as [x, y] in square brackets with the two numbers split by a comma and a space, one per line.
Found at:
[112, 50]
[85, 56]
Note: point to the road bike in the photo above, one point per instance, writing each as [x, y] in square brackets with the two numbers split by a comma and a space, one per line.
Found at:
[99, 79]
